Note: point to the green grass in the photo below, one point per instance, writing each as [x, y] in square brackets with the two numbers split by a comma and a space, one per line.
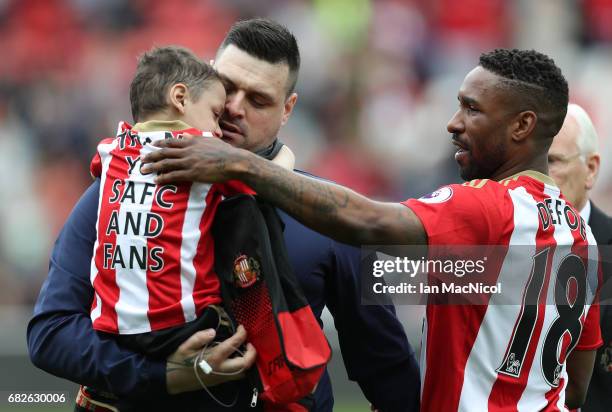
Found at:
[351, 407]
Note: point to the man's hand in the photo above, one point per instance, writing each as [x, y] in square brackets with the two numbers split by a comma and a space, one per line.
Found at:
[194, 159]
[180, 376]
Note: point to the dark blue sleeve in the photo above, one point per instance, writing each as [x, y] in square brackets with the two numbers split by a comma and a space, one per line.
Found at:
[373, 343]
[61, 339]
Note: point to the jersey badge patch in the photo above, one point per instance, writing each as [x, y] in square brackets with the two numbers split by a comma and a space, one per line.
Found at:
[439, 196]
[246, 271]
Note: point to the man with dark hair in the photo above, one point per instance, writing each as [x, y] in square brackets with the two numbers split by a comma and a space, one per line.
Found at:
[254, 57]
[260, 98]
[267, 41]
[258, 63]
[475, 357]
[527, 82]
[534, 81]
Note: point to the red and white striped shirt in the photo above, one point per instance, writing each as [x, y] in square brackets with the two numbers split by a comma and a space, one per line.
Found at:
[153, 259]
[508, 357]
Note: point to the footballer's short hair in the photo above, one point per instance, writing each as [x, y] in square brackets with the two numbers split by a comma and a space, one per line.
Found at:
[269, 41]
[161, 68]
[536, 82]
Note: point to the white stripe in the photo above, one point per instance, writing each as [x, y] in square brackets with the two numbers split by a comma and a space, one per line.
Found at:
[105, 158]
[191, 238]
[245, 267]
[133, 302]
[498, 323]
[97, 311]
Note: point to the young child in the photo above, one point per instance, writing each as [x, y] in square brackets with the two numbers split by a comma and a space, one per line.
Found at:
[153, 263]
[152, 268]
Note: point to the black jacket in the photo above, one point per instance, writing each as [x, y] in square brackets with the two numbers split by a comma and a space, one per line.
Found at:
[599, 396]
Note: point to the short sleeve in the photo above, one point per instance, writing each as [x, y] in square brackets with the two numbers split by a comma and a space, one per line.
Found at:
[95, 167]
[590, 338]
[458, 214]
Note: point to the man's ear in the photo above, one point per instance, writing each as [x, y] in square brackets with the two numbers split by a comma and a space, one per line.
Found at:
[178, 97]
[289, 105]
[592, 164]
[523, 125]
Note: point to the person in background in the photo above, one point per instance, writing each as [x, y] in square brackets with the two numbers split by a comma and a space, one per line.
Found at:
[573, 162]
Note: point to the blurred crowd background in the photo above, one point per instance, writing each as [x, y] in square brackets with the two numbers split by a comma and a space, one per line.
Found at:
[378, 83]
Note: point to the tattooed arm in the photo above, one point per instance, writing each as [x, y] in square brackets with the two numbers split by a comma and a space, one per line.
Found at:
[326, 207]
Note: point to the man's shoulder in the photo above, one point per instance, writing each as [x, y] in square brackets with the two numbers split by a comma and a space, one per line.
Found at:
[484, 189]
[488, 187]
[480, 188]
[470, 197]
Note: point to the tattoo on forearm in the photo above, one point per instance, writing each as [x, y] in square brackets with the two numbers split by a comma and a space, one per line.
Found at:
[298, 196]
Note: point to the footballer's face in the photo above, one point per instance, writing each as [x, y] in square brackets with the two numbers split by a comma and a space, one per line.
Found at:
[257, 104]
[479, 128]
[205, 112]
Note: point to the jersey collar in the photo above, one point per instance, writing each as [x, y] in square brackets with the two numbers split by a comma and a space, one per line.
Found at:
[540, 177]
[161, 126]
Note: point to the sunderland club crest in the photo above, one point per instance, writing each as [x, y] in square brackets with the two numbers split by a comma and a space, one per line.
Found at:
[246, 271]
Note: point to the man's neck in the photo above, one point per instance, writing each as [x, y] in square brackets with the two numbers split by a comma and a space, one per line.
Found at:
[269, 152]
[581, 203]
[514, 167]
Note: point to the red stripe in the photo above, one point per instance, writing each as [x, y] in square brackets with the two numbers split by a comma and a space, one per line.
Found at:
[94, 304]
[446, 357]
[446, 365]
[105, 282]
[164, 286]
[206, 288]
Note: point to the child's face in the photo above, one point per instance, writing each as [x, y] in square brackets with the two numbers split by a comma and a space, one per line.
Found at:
[204, 113]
